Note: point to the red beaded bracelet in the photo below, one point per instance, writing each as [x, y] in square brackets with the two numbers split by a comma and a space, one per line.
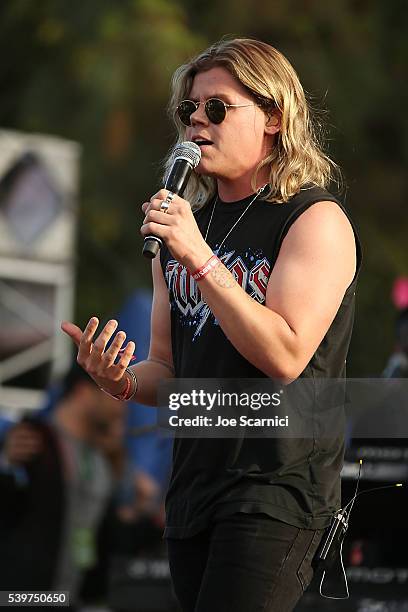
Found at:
[206, 268]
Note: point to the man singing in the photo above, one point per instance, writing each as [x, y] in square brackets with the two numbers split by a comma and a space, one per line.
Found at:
[268, 264]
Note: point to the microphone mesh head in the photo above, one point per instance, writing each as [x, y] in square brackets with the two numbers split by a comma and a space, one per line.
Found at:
[189, 151]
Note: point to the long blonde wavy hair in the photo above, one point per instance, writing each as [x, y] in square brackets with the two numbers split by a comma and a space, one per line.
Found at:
[296, 158]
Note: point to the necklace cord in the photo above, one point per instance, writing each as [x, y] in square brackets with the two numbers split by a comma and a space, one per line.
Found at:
[258, 193]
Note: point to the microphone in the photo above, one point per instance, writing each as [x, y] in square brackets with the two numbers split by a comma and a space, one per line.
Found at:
[331, 544]
[186, 156]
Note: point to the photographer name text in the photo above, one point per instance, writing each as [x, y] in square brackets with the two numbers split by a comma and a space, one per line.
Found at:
[242, 421]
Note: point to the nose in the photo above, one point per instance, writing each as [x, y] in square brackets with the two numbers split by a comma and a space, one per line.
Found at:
[199, 116]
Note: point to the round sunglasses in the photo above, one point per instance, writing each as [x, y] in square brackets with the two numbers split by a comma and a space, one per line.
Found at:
[215, 109]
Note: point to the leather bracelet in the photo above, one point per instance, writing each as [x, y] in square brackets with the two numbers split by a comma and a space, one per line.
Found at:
[206, 268]
[130, 389]
[134, 383]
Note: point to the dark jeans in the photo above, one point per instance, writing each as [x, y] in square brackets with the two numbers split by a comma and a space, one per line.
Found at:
[243, 563]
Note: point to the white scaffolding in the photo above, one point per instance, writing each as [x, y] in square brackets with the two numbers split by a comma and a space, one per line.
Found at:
[38, 211]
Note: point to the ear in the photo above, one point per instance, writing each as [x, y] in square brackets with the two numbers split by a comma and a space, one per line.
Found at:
[272, 122]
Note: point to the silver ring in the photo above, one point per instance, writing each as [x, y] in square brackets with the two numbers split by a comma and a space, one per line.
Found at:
[166, 203]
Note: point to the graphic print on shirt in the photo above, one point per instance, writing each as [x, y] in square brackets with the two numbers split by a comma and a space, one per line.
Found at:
[251, 272]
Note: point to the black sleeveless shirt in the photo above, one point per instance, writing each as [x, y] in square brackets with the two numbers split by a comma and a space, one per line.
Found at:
[294, 480]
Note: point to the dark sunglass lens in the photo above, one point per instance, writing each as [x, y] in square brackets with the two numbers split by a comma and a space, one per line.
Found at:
[215, 110]
[184, 111]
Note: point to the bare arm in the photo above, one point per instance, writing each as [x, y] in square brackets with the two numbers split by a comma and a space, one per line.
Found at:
[316, 264]
[100, 363]
[159, 364]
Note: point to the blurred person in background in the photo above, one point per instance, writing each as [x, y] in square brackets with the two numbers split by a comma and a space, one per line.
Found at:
[56, 479]
[244, 517]
[397, 366]
[149, 453]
